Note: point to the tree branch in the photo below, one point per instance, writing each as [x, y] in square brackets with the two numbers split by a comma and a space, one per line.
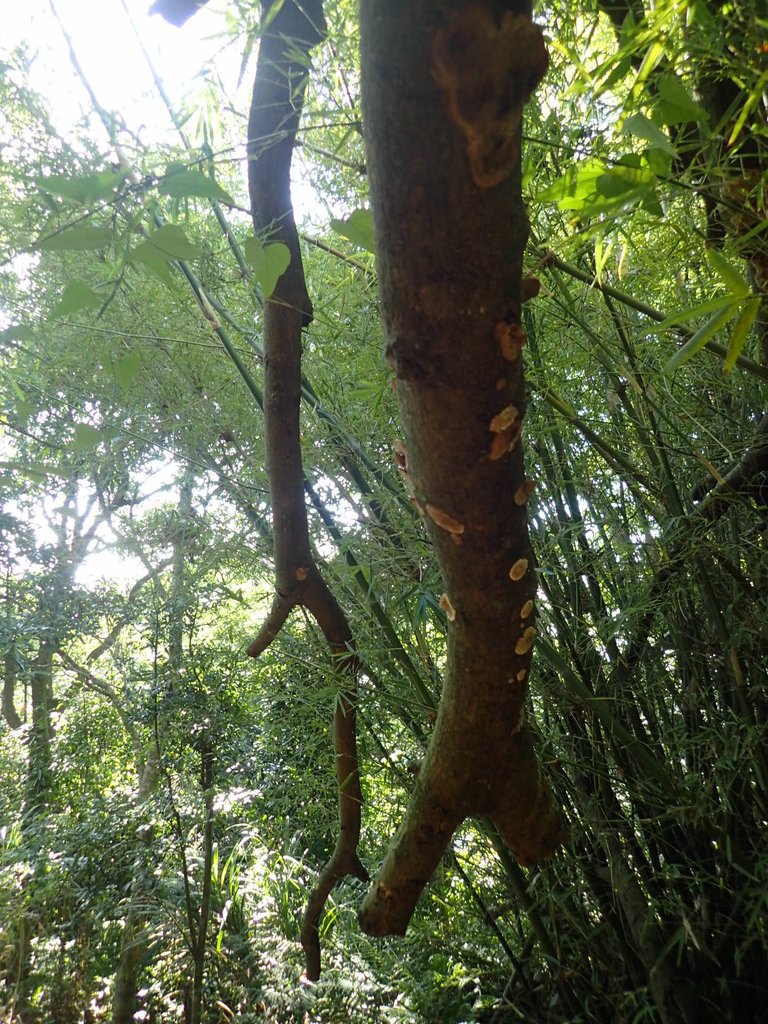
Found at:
[278, 95]
[442, 99]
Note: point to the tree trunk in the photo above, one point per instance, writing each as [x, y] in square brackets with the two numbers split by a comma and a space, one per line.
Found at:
[135, 939]
[11, 665]
[278, 95]
[39, 762]
[443, 91]
[207, 762]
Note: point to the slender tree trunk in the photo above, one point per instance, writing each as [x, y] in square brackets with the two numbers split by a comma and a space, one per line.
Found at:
[135, 939]
[199, 948]
[10, 675]
[278, 95]
[39, 749]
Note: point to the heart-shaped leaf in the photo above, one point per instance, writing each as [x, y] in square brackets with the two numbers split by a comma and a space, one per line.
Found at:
[86, 437]
[82, 188]
[167, 243]
[357, 227]
[269, 262]
[643, 128]
[675, 105]
[125, 370]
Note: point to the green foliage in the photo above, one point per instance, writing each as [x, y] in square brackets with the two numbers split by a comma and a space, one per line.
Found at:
[647, 696]
[83, 188]
[181, 182]
[80, 238]
[268, 262]
[165, 244]
[357, 227]
[594, 188]
[76, 295]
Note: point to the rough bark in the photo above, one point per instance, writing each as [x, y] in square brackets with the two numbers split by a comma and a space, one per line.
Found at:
[278, 95]
[443, 90]
[199, 935]
[135, 937]
[39, 744]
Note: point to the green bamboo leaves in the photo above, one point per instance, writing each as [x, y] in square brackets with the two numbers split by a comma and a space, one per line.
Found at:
[592, 187]
[739, 303]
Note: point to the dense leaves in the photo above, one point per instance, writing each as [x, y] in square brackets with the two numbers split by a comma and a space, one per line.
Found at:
[166, 803]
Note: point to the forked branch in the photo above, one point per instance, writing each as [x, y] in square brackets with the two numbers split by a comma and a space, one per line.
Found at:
[443, 90]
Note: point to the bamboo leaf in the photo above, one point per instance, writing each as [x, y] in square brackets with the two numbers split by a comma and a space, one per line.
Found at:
[740, 331]
[752, 101]
[701, 337]
[684, 315]
[728, 274]
[653, 55]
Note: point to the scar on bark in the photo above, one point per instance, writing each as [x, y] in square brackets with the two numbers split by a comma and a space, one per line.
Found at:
[487, 69]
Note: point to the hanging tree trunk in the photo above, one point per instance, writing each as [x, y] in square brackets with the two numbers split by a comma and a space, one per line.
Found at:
[444, 85]
[291, 29]
[278, 95]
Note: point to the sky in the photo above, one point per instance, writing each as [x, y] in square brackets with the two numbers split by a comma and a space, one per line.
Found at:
[104, 37]
[107, 48]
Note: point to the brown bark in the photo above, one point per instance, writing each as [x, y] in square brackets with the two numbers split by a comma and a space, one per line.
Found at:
[39, 742]
[443, 90]
[275, 111]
